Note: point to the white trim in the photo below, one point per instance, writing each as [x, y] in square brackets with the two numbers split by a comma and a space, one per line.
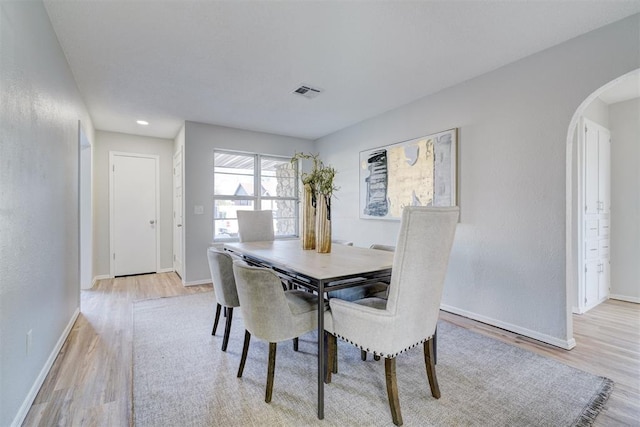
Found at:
[625, 298]
[156, 158]
[197, 282]
[166, 270]
[31, 396]
[567, 345]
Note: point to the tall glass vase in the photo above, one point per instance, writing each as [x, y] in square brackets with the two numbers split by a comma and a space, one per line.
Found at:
[323, 224]
[308, 218]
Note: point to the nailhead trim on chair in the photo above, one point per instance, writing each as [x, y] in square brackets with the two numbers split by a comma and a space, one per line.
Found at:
[375, 353]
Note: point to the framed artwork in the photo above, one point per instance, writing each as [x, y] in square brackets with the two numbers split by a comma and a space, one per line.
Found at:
[417, 172]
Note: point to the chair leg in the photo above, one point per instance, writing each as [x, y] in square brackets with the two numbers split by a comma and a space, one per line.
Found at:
[435, 346]
[227, 329]
[431, 367]
[392, 389]
[363, 355]
[332, 353]
[270, 371]
[295, 344]
[215, 322]
[245, 350]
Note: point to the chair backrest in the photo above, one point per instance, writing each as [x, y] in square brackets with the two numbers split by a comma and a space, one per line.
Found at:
[255, 226]
[378, 246]
[224, 284]
[265, 311]
[419, 268]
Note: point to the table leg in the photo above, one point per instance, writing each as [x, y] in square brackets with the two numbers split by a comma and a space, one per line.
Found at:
[321, 350]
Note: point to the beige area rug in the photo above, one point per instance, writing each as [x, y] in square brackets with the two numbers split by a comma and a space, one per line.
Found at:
[182, 378]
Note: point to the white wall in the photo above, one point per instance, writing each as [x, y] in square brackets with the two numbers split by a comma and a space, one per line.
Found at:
[113, 141]
[200, 141]
[625, 200]
[507, 265]
[39, 274]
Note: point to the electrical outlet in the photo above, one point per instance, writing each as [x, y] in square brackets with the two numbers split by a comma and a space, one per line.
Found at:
[29, 341]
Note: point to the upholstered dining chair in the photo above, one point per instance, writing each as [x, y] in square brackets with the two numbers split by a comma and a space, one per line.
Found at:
[342, 242]
[357, 292]
[255, 226]
[224, 288]
[380, 291]
[409, 315]
[271, 313]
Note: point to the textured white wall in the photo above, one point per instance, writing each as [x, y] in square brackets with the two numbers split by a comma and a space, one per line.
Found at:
[39, 285]
[113, 141]
[625, 199]
[508, 261]
[200, 141]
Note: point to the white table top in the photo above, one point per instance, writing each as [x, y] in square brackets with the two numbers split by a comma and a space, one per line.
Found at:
[341, 261]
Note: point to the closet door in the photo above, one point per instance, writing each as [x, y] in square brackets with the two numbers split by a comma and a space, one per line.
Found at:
[604, 171]
[596, 216]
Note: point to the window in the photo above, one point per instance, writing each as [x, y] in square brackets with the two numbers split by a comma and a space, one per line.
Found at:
[253, 182]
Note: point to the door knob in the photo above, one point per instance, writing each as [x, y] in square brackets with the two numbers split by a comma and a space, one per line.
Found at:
[179, 225]
[152, 222]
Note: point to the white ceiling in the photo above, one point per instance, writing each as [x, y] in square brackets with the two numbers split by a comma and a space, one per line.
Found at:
[235, 63]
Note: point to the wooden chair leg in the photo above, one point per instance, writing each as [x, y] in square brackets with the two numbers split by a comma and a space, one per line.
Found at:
[270, 371]
[331, 349]
[335, 354]
[363, 355]
[431, 367]
[435, 346]
[392, 390]
[245, 350]
[215, 322]
[295, 344]
[227, 329]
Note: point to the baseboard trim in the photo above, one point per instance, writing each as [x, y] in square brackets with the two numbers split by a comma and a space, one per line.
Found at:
[166, 270]
[28, 401]
[197, 282]
[625, 298]
[566, 345]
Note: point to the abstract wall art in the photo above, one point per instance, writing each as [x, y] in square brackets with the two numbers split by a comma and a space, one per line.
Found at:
[417, 172]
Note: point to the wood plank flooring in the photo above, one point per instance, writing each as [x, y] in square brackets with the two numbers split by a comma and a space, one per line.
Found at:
[90, 381]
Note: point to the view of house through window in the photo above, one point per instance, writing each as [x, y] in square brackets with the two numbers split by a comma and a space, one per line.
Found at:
[253, 182]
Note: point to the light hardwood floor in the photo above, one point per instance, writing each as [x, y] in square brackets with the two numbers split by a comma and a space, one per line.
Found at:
[90, 382]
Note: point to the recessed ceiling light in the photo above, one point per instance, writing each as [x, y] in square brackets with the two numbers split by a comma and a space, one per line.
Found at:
[142, 122]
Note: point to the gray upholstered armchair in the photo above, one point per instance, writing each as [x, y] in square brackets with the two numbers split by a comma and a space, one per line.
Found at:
[255, 226]
[271, 313]
[224, 288]
[408, 317]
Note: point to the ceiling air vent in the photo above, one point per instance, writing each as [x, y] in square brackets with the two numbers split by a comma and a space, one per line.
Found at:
[307, 91]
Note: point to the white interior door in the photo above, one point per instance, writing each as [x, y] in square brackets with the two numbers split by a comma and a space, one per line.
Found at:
[134, 219]
[177, 213]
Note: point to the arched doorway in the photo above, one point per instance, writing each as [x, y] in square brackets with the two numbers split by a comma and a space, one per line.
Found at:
[575, 234]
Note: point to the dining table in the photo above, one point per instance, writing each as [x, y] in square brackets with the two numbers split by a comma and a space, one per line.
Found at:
[343, 267]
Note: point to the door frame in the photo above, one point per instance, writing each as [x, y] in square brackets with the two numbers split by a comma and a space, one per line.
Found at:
[112, 156]
[85, 209]
[178, 153]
